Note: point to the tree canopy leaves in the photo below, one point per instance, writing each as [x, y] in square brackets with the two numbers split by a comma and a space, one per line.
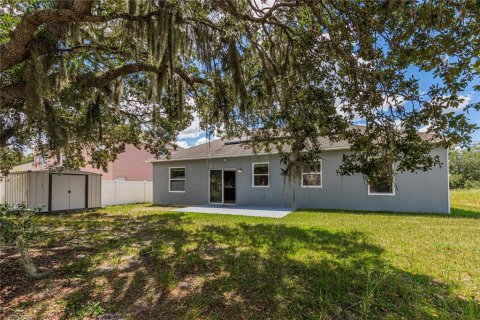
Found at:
[97, 75]
[464, 167]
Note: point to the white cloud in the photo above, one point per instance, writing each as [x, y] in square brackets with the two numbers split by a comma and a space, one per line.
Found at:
[263, 5]
[340, 105]
[461, 105]
[202, 140]
[443, 101]
[324, 37]
[193, 130]
[182, 144]
[360, 61]
[392, 101]
[423, 129]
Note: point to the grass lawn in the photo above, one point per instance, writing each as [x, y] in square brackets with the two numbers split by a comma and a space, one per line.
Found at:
[141, 262]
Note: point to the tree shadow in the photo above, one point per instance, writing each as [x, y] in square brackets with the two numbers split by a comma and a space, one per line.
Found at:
[465, 213]
[71, 243]
[231, 270]
[455, 213]
[276, 271]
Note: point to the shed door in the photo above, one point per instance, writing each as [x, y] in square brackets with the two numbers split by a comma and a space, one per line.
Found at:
[68, 191]
[77, 191]
[60, 196]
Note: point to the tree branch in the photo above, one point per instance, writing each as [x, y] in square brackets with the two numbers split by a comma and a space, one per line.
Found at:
[12, 92]
[230, 7]
[83, 6]
[15, 50]
[16, 91]
[111, 75]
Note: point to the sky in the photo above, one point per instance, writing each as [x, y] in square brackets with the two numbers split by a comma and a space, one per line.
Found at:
[193, 135]
[469, 95]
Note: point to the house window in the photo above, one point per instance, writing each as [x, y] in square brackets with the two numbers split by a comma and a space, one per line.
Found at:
[381, 186]
[312, 176]
[260, 174]
[176, 180]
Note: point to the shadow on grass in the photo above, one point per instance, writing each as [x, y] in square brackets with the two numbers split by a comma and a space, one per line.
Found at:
[465, 213]
[455, 213]
[238, 271]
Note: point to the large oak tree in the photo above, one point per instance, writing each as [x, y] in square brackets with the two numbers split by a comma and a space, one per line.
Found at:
[79, 74]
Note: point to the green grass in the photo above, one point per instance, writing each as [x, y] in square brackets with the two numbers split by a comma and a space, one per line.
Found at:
[465, 201]
[140, 262]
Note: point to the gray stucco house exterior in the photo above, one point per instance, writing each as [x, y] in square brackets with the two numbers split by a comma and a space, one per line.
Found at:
[225, 172]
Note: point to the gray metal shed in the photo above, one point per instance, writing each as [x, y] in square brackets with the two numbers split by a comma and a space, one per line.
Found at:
[54, 190]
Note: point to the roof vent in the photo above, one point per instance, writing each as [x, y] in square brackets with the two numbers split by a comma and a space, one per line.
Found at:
[236, 142]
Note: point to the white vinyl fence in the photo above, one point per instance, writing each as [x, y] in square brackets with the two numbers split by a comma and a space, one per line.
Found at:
[123, 192]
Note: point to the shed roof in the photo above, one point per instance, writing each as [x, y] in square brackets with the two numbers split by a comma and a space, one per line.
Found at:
[25, 167]
[59, 170]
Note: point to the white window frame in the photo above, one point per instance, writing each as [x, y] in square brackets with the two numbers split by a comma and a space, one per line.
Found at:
[321, 176]
[370, 193]
[176, 179]
[260, 174]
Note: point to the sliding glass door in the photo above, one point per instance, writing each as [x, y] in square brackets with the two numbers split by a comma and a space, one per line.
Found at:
[216, 186]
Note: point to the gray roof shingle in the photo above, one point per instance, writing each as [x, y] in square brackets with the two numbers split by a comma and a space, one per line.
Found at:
[230, 148]
[233, 148]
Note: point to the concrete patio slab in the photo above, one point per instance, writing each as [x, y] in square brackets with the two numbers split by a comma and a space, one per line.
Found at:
[268, 212]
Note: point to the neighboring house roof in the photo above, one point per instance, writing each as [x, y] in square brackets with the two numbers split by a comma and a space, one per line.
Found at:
[25, 167]
[129, 165]
[235, 148]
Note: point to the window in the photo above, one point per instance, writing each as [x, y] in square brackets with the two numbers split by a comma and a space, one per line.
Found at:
[260, 173]
[381, 186]
[312, 176]
[176, 180]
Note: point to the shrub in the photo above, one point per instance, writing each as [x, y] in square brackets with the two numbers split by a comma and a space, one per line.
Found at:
[472, 184]
[456, 181]
[464, 165]
[18, 229]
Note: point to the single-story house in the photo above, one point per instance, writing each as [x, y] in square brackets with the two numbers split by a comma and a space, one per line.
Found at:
[225, 172]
